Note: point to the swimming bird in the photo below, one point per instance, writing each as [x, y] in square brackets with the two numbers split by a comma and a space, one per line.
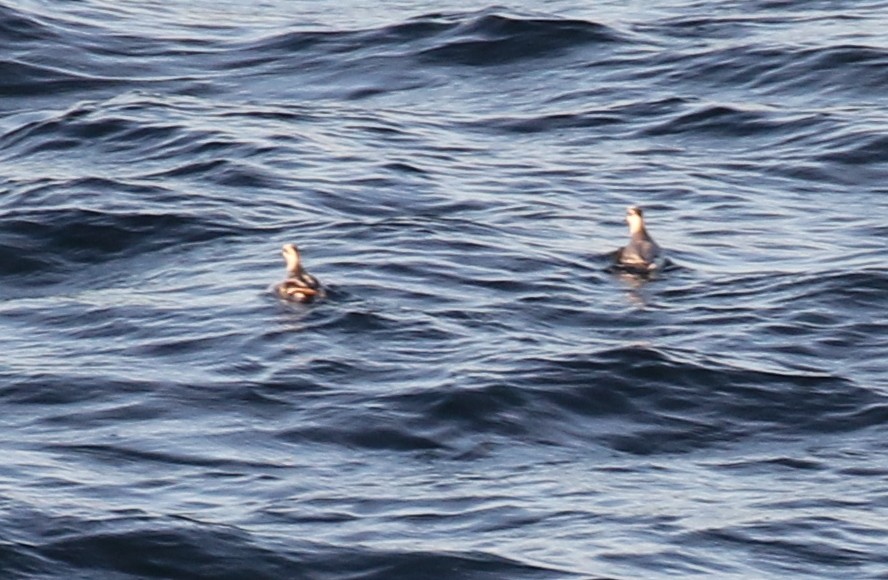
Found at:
[300, 286]
[641, 254]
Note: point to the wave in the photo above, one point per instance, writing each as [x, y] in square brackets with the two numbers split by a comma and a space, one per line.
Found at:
[494, 39]
[774, 70]
[638, 400]
[141, 545]
[150, 125]
[483, 38]
[732, 121]
[53, 241]
[21, 79]
[487, 38]
[98, 59]
[19, 26]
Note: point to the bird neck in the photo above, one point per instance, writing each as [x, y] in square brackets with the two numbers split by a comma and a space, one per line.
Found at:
[294, 264]
[636, 226]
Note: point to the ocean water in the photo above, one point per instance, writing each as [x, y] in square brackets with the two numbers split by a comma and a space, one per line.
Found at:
[480, 395]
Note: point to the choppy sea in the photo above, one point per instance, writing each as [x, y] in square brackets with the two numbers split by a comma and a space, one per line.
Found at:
[480, 395]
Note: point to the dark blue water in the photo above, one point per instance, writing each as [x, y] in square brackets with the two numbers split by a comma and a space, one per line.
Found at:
[480, 395]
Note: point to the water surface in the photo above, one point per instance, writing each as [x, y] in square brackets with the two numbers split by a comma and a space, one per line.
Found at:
[480, 396]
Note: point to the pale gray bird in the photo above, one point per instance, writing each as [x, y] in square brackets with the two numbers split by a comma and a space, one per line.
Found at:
[641, 253]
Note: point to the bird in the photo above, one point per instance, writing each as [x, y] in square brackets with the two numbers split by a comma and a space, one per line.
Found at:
[641, 254]
[299, 286]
